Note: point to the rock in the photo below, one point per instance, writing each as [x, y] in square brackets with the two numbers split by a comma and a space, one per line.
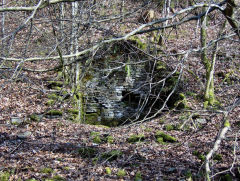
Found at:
[24, 135]
[16, 121]
[201, 121]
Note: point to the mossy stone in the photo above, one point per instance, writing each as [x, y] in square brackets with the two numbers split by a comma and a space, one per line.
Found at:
[73, 111]
[110, 139]
[92, 119]
[35, 117]
[160, 140]
[121, 173]
[97, 139]
[47, 170]
[161, 121]
[139, 43]
[52, 84]
[58, 178]
[50, 102]
[54, 113]
[138, 176]
[4, 176]
[53, 96]
[108, 170]
[166, 137]
[169, 127]
[136, 138]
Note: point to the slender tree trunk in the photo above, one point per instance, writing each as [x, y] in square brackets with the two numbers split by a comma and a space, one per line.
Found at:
[2, 29]
[209, 97]
[76, 71]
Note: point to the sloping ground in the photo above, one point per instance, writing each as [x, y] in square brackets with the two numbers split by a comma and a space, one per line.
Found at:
[57, 149]
[61, 150]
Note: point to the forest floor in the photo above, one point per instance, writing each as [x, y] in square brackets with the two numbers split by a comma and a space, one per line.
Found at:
[54, 148]
[58, 149]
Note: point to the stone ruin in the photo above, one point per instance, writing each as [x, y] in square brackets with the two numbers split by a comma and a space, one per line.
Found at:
[117, 85]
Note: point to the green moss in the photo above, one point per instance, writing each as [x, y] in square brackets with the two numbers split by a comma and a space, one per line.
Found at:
[166, 137]
[108, 170]
[54, 113]
[57, 88]
[161, 121]
[32, 179]
[160, 140]
[227, 123]
[110, 139]
[121, 173]
[217, 157]
[50, 102]
[66, 168]
[87, 152]
[139, 43]
[52, 84]
[148, 129]
[4, 176]
[92, 119]
[94, 133]
[169, 127]
[73, 111]
[111, 155]
[161, 65]
[97, 139]
[58, 178]
[199, 155]
[53, 96]
[35, 117]
[188, 175]
[191, 94]
[47, 170]
[135, 138]
[138, 176]
[181, 101]
[227, 177]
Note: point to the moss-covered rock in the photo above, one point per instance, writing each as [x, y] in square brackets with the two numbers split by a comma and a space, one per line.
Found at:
[50, 102]
[136, 138]
[35, 117]
[121, 173]
[169, 127]
[160, 141]
[166, 137]
[73, 111]
[181, 102]
[138, 42]
[52, 84]
[54, 113]
[57, 178]
[138, 176]
[110, 139]
[47, 170]
[53, 96]
[4, 176]
[108, 170]
[92, 118]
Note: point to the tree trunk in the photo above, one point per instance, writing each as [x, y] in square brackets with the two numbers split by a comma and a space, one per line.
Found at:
[209, 97]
